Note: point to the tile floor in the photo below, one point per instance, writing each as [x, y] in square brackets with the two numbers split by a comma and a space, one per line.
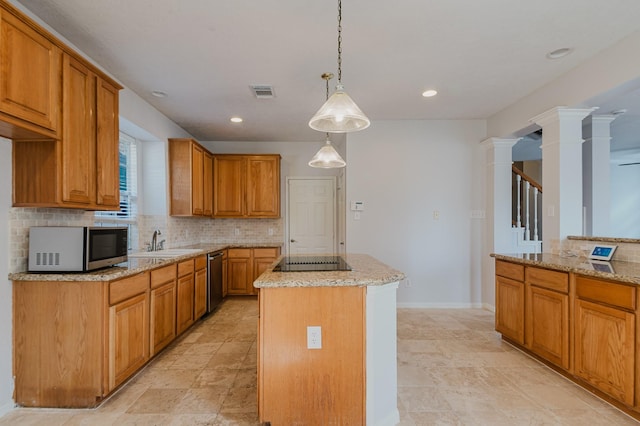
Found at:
[453, 369]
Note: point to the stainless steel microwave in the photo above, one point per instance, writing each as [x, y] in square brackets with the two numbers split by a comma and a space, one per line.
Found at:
[75, 248]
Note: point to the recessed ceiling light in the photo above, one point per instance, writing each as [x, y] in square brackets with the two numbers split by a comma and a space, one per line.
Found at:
[236, 119]
[429, 93]
[159, 94]
[559, 53]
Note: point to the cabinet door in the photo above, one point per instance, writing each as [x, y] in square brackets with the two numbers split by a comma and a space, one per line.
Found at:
[107, 146]
[262, 259]
[78, 134]
[224, 275]
[197, 171]
[185, 303]
[510, 308]
[207, 185]
[547, 325]
[239, 276]
[604, 349]
[129, 338]
[263, 186]
[163, 316]
[30, 69]
[200, 303]
[228, 186]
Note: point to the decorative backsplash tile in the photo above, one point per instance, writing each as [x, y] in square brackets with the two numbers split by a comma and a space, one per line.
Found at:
[175, 231]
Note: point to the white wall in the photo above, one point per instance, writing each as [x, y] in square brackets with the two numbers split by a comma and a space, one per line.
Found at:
[403, 171]
[625, 201]
[6, 380]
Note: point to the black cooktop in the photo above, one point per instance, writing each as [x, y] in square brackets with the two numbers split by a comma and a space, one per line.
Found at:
[311, 264]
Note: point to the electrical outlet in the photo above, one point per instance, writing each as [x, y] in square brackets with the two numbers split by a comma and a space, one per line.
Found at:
[270, 231]
[236, 231]
[314, 337]
[436, 215]
[407, 283]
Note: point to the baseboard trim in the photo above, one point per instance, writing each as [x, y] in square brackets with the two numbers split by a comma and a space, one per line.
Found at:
[441, 305]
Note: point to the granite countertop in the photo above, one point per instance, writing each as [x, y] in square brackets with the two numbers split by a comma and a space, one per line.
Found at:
[366, 271]
[132, 266]
[628, 272]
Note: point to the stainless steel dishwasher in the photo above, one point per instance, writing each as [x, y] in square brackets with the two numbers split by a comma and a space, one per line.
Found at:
[214, 281]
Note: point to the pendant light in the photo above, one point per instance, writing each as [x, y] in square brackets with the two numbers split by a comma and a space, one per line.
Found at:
[339, 114]
[327, 157]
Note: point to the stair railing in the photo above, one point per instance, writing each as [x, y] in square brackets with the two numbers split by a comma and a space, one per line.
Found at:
[524, 195]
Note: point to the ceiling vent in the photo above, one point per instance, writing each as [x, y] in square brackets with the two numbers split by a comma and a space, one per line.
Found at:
[262, 91]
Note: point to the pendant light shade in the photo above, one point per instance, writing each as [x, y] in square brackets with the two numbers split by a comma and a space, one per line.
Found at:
[339, 114]
[327, 158]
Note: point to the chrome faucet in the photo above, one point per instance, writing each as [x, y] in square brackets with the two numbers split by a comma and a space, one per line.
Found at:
[154, 240]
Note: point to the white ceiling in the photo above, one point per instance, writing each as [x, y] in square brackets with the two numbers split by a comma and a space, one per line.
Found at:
[480, 55]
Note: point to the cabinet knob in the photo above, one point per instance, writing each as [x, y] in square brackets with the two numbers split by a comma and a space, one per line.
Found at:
[293, 241]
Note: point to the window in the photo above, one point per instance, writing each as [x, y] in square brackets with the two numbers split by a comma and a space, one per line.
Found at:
[128, 190]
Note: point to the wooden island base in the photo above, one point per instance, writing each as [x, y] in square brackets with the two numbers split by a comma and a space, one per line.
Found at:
[352, 378]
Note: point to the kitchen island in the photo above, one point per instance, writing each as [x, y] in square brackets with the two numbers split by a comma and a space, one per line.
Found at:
[327, 345]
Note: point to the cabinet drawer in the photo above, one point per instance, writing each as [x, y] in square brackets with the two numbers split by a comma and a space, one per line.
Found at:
[510, 270]
[553, 280]
[128, 287]
[610, 293]
[163, 275]
[201, 262]
[185, 267]
[269, 252]
[241, 253]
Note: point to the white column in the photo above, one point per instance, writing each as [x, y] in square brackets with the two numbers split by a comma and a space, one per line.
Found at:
[596, 153]
[498, 194]
[561, 174]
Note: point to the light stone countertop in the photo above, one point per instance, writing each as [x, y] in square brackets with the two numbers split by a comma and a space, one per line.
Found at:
[627, 272]
[131, 267]
[366, 271]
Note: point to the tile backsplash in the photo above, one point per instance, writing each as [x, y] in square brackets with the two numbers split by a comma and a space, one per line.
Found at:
[626, 251]
[176, 231]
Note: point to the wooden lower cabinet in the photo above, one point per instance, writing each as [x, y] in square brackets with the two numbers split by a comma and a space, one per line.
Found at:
[510, 308]
[200, 288]
[239, 271]
[585, 326]
[605, 336]
[244, 265]
[163, 308]
[547, 315]
[185, 296]
[129, 338]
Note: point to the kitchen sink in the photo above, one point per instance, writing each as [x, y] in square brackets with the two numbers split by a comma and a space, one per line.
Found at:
[177, 252]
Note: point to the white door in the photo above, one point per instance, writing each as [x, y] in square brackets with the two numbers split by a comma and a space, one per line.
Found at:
[311, 215]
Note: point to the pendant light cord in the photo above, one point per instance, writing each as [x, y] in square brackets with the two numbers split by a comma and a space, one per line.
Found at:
[339, 42]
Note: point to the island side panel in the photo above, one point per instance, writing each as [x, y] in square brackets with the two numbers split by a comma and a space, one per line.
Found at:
[382, 355]
[312, 386]
[58, 343]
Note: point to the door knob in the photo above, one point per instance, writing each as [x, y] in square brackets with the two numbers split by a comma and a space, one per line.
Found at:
[292, 240]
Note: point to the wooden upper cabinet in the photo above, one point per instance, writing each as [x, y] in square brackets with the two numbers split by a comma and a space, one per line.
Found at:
[78, 135]
[62, 114]
[246, 186]
[263, 186]
[189, 164]
[228, 184]
[107, 145]
[30, 66]
[207, 185]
